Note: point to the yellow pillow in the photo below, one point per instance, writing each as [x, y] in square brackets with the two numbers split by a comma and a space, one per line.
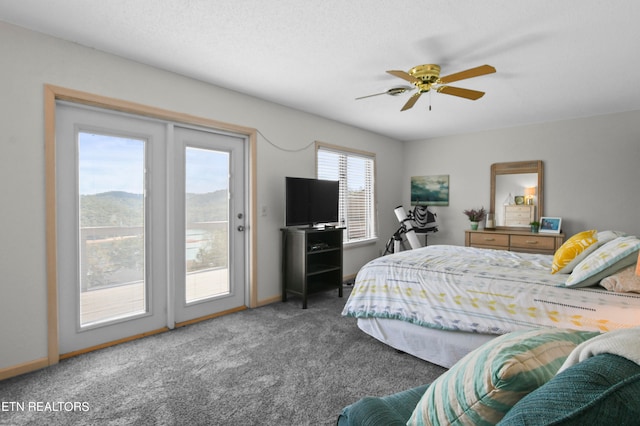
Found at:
[573, 251]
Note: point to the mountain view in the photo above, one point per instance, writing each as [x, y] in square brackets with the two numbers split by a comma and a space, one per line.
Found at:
[112, 236]
[117, 208]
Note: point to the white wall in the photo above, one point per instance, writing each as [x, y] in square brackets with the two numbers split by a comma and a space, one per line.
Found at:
[591, 167]
[30, 60]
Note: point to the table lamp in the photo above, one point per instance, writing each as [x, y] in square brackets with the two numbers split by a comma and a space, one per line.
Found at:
[529, 193]
[638, 265]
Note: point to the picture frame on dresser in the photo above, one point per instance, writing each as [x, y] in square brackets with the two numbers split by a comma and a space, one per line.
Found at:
[550, 225]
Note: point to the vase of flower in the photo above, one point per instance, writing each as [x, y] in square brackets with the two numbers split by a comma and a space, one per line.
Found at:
[535, 227]
[475, 216]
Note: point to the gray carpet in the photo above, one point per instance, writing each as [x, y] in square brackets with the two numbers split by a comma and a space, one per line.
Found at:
[274, 365]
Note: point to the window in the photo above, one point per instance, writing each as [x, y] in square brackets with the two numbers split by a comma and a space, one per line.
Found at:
[111, 182]
[356, 172]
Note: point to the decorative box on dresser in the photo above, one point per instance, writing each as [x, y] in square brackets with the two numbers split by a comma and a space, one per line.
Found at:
[519, 215]
[522, 241]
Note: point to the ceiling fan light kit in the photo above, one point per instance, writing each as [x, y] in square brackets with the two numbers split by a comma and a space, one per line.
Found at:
[427, 77]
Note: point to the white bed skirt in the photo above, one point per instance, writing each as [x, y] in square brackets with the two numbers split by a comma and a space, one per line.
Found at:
[439, 347]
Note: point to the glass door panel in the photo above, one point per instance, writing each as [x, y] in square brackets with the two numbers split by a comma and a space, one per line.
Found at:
[207, 224]
[112, 238]
[111, 182]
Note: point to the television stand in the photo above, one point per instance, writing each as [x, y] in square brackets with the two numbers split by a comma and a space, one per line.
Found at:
[311, 261]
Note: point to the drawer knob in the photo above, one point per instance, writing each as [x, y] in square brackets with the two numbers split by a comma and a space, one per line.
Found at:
[532, 242]
[489, 239]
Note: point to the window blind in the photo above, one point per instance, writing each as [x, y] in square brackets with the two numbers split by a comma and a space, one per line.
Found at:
[355, 172]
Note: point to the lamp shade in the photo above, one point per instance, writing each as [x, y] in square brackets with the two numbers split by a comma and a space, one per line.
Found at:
[530, 192]
[638, 265]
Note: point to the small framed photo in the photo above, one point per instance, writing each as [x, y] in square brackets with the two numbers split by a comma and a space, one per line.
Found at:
[550, 225]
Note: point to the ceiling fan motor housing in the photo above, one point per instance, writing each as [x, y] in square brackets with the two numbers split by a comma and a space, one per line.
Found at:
[428, 74]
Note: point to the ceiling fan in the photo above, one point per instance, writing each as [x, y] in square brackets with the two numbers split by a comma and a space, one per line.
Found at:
[427, 77]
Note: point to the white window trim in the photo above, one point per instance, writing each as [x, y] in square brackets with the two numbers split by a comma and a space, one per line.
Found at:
[360, 243]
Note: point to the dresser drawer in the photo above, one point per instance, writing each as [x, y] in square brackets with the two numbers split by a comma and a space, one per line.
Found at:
[530, 242]
[520, 241]
[489, 240]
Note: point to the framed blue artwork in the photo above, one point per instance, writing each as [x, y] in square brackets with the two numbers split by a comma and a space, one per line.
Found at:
[430, 190]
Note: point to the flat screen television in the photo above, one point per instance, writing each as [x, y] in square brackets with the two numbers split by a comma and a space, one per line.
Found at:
[311, 201]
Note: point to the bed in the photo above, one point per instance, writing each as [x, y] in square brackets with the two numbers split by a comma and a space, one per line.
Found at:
[440, 302]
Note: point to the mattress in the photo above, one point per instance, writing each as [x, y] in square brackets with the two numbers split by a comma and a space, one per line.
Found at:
[483, 291]
[440, 347]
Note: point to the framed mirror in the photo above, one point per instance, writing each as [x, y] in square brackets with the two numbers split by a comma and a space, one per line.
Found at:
[517, 193]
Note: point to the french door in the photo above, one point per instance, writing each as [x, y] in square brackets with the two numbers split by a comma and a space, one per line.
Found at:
[209, 223]
[149, 224]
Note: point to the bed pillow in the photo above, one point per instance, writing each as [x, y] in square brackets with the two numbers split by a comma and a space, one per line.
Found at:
[573, 251]
[487, 382]
[606, 260]
[606, 236]
[624, 281]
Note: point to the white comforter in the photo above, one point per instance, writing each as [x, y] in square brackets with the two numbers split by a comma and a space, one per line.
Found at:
[484, 291]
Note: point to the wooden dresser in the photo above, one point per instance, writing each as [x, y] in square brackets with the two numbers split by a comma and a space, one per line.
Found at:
[522, 241]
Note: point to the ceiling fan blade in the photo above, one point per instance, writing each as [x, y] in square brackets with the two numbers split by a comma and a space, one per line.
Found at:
[411, 102]
[369, 96]
[394, 91]
[463, 93]
[472, 72]
[405, 76]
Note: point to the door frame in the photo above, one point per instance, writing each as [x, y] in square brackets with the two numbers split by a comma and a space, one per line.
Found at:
[56, 93]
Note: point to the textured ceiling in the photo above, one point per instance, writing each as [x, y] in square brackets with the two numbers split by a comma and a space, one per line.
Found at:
[555, 59]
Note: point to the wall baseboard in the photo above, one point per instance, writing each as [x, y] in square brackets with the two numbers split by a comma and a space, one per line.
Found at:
[269, 301]
[23, 368]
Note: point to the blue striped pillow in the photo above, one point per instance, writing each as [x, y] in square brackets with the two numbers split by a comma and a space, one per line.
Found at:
[481, 387]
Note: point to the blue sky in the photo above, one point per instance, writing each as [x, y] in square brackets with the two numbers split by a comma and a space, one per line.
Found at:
[206, 170]
[112, 163]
